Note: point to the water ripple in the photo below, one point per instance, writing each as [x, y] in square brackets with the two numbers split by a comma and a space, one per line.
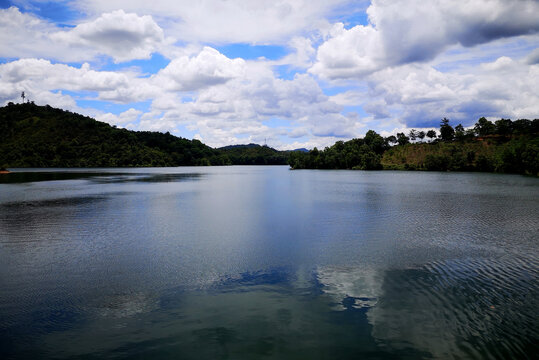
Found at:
[462, 308]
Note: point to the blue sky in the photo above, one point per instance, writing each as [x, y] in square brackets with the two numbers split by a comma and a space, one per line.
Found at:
[294, 73]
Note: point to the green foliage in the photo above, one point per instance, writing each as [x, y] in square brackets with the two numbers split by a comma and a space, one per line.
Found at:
[504, 127]
[391, 139]
[360, 154]
[42, 136]
[402, 139]
[431, 134]
[254, 154]
[447, 133]
[510, 147]
[484, 127]
[436, 162]
[460, 133]
[520, 155]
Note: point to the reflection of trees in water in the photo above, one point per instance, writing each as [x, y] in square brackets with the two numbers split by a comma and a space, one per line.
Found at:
[95, 177]
[31, 221]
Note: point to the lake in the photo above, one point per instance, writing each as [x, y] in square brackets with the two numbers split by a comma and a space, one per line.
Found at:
[267, 263]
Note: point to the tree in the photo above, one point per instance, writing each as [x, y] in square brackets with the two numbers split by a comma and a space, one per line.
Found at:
[460, 133]
[504, 127]
[431, 134]
[402, 139]
[484, 127]
[446, 131]
[23, 96]
[413, 134]
[522, 126]
[391, 139]
[421, 135]
[375, 142]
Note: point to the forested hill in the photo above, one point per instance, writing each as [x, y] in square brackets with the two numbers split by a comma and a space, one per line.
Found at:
[504, 146]
[254, 154]
[42, 136]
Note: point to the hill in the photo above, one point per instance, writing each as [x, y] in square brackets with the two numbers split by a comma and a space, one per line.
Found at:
[43, 136]
[504, 146]
[359, 154]
[516, 154]
[253, 154]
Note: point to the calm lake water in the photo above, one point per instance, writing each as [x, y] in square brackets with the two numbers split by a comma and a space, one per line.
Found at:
[268, 263]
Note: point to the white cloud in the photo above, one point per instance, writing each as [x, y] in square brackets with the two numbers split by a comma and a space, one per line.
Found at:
[302, 55]
[216, 21]
[364, 286]
[44, 74]
[409, 31]
[388, 63]
[235, 111]
[25, 35]
[123, 119]
[123, 36]
[136, 90]
[350, 53]
[422, 94]
[208, 68]
[44, 82]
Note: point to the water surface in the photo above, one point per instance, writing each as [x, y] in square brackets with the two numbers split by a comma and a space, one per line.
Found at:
[264, 262]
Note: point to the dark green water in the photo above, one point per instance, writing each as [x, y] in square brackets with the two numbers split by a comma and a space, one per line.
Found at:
[263, 262]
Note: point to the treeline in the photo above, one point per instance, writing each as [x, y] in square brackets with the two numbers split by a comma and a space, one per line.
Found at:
[254, 154]
[360, 154]
[504, 146]
[43, 136]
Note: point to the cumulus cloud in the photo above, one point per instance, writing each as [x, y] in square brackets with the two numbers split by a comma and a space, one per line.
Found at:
[123, 119]
[44, 83]
[208, 68]
[388, 62]
[403, 31]
[31, 73]
[124, 36]
[184, 74]
[302, 55]
[235, 111]
[421, 95]
[224, 100]
[350, 53]
[25, 35]
[216, 21]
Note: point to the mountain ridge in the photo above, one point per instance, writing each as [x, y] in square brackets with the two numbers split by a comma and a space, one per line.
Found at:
[43, 136]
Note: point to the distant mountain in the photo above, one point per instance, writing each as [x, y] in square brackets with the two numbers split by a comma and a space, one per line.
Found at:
[228, 147]
[301, 150]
